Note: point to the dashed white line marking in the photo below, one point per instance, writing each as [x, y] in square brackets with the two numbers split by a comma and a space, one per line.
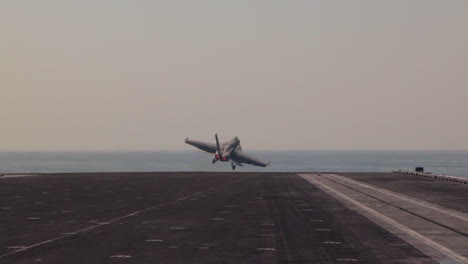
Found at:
[217, 219]
[120, 256]
[322, 230]
[266, 249]
[332, 242]
[281, 233]
[116, 220]
[267, 235]
[154, 240]
[33, 218]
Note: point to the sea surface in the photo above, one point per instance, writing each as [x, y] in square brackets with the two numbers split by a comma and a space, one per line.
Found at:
[453, 163]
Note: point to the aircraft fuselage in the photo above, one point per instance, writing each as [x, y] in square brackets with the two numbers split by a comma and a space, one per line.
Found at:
[230, 151]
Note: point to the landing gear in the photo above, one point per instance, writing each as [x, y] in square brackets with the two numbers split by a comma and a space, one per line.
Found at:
[214, 161]
[233, 166]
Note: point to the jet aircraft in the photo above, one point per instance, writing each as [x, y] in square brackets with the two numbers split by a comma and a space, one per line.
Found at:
[227, 151]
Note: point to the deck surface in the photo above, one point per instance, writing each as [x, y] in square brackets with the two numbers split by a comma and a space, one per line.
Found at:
[207, 218]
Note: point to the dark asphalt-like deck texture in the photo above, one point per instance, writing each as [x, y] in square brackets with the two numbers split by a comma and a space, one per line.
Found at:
[186, 218]
[447, 194]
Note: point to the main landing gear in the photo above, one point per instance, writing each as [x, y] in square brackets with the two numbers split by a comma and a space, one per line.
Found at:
[233, 166]
[215, 160]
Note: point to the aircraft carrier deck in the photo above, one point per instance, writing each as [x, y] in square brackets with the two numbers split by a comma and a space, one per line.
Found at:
[194, 217]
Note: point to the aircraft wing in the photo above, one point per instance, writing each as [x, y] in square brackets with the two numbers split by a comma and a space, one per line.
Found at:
[242, 157]
[205, 146]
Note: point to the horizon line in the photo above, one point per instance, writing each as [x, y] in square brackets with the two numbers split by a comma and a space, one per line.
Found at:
[191, 150]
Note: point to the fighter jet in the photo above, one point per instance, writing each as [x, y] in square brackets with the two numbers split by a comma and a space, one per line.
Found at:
[230, 151]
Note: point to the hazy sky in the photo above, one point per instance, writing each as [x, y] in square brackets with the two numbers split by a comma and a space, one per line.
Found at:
[106, 75]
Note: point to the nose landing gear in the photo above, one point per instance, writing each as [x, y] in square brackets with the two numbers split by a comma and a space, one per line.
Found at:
[233, 166]
[215, 160]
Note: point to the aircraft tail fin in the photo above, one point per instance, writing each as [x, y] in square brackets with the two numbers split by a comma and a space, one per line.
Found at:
[218, 148]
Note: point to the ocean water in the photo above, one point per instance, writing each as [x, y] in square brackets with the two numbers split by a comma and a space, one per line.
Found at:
[442, 162]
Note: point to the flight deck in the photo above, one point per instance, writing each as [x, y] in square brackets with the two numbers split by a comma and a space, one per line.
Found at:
[235, 217]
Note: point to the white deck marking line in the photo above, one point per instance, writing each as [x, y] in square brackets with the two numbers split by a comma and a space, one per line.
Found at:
[177, 228]
[16, 247]
[332, 242]
[154, 240]
[432, 206]
[446, 251]
[120, 256]
[115, 220]
[9, 176]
